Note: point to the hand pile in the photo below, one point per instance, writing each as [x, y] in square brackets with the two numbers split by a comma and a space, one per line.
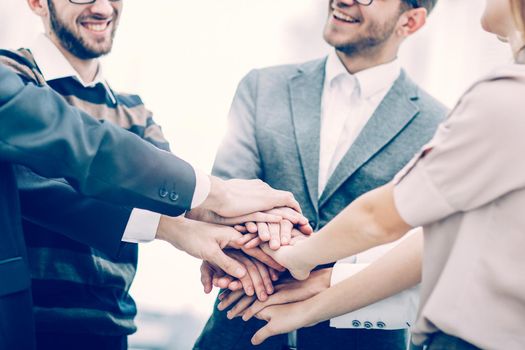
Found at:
[242, 233]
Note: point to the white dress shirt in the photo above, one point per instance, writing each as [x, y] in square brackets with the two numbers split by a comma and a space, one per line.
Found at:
[348, 102]
[142, 224]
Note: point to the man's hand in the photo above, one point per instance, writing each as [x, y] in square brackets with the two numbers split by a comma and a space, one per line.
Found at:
[212, 275]
[257, 282]
[231, 198]
[275, 234]
[288, 291]
[203, 241]
[283, 319]
[201, 214]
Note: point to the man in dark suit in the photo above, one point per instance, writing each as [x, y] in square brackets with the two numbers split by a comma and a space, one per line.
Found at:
[40, 130]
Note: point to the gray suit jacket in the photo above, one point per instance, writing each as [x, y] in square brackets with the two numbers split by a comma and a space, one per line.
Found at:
[274, 135]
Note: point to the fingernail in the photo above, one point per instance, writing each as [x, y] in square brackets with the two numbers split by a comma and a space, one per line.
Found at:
[229, 315]
[263, 296]
[269, 289]
[249, 291]
[220, 306]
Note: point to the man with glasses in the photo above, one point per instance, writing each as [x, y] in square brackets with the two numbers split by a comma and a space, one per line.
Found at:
[81, 298]
[328, 131]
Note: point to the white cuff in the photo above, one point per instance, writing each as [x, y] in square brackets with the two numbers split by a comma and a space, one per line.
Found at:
[142, 226]
[396, 312]
[202, 188]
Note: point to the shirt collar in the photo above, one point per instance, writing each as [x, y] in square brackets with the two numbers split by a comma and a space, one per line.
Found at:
[370, 81]
[54, 65]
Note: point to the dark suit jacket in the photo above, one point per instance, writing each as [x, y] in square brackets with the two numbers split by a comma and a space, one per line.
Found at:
[40, 130]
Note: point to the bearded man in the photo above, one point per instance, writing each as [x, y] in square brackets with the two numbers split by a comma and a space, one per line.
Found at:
[330, 130]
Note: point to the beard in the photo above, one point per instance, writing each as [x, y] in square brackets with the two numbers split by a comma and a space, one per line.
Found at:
[376, 35]
[75, 43]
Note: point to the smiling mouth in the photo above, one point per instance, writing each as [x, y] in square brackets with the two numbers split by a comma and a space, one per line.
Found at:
[97, 27]
[344, 17]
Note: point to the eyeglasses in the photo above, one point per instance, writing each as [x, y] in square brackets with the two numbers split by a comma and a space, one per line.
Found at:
[412, 3]
[87, 2]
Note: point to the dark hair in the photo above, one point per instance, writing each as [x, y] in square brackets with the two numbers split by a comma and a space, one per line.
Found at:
[428, 4]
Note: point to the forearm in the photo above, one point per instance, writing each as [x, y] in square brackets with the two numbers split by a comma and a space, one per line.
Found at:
[397, 270]
[39, 129]
[369, 221]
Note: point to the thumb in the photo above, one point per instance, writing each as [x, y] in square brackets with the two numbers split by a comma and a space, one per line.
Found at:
[229, 265]
[262, 334]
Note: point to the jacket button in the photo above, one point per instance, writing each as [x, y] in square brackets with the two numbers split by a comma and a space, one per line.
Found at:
[368, 325]
[380, 324]
[163, 193]
[174, 196]
[356, 323]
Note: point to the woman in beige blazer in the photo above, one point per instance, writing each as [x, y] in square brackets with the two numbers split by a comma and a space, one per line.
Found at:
[467, 189]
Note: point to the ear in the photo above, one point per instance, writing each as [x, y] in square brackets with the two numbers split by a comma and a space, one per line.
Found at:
[411, 21]
[39, 7]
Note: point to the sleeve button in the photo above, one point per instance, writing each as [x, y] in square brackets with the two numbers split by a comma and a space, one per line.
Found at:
[163, 193]
[381, 324]
[174, 196]
[356, 323]
[368, 324]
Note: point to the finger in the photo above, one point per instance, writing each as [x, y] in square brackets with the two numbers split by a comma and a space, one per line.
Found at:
[262, 334]
[229, 265]
[275, 237]
[265, 276]
[289, 214]
[253, 217]
[306, 229]
[253, 281]
[251, 227]
[240, 228]
[223, 294]
[260, 255]
[286, 231]
[289, 201]
[206, 277]
[253, 243]
[224, 282]
[229, 299]
[241, 305]
[246, 238]
[274, 275]
[263, 231]
[235, 286]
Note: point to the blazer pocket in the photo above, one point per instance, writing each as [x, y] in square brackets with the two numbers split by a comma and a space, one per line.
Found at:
[14, 276]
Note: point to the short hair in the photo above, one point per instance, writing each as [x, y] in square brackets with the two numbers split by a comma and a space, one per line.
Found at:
[428, 4]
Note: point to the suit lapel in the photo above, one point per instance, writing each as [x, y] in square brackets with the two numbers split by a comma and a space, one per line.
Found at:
[391, 116]
[306, 89]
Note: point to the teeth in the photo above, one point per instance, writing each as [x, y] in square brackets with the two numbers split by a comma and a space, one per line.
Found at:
[339, 15]
[96, 27]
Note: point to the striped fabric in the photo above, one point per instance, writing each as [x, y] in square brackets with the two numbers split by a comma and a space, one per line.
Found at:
[76, 288]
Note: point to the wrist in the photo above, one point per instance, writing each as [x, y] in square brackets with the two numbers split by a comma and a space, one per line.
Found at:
[215, 196]
[169, 228]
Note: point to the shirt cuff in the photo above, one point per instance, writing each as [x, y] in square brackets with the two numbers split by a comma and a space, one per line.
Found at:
[396, 312]
[202, 188]
[142, 226]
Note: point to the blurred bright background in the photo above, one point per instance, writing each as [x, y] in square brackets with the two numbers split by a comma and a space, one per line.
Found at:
[185, 59]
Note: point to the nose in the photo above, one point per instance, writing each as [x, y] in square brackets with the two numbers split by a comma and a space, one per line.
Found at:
[102, 7]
